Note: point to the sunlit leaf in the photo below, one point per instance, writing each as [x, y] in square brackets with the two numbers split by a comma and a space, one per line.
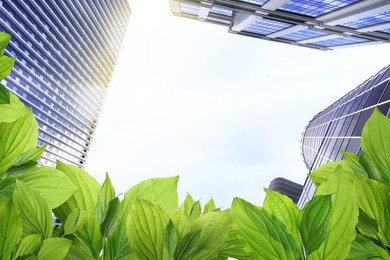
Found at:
[16, 138]
[353, 162]
[85, 198]
[214, 230]
[364, 248]
[4, 95]
[187, 245]
[210, 206]
[106, 194]
[374, 199]
[54, 248]
[6, 65]
[4, 40]
[263, 235]
[376, 143]
[75, 220]
[160, 191]
[367, 225]
[146, 228]
[170, 240]
[25, 160]
[53, 185]
[35, 213]
[322, 173]
[344, 216]
[10, 229]
[195, 211]
[285, 210]
[12, 111]
[111, 219]
[314, 222]
[29, 244]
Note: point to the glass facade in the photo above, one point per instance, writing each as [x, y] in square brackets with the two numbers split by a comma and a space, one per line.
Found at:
[318, 24]
[66, 52]
[339, 127]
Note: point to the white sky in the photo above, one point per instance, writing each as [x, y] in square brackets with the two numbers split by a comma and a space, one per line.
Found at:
[223, 111]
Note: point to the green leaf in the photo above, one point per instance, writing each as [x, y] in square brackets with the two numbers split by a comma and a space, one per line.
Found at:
[4, 95]
[285, 210]
[234, 247]
[53, 185]
[21, 169]
[4, 40]
[367, 225]
[35, 213]
[11, 112]
[146, 228]
[353, 162]
[187, 245]
[364, 248]
[214, 227]
[29, 244]
[263, 235]
[210, 206]
[160, 191]
[10, 229]
[344, 217]
[170, 242]
[54, 248]
[112, 217]
[376, 143]
[374, 199]
[85, 198]
[370, 168]
[6, 65]
[16, 138]
[314, 221]
[195, 211]
[78, 250]
[28, 157]
[106, 194]
[7, 186]
[75, 220]
[322, 173]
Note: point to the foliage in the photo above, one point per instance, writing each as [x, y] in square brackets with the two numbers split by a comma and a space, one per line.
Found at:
[148, 222]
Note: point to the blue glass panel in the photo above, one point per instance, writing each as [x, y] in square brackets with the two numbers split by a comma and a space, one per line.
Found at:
[266, 26]
[368, 21]
[340, 41]
[386, 30]
[303, 35]
[220, 10]
[314, 8]
[189, 8]
[257, 2]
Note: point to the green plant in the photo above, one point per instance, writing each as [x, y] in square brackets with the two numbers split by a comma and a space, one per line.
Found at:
[148, 223]
[351, 194]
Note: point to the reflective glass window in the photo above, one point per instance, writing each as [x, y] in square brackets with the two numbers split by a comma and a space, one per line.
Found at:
[314, 8]
[363, 117]
[375, 95]
[265, 26]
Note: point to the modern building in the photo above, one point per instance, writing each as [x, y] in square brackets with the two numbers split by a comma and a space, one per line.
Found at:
[318, 24]
[339, 127]
[291, 189]
[66, 52]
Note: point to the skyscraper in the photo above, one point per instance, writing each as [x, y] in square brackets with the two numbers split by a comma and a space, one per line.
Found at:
[66, 52]
[339, 127]
[319, 24]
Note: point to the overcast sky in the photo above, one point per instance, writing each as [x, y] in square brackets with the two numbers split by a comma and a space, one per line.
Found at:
[223, 111]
